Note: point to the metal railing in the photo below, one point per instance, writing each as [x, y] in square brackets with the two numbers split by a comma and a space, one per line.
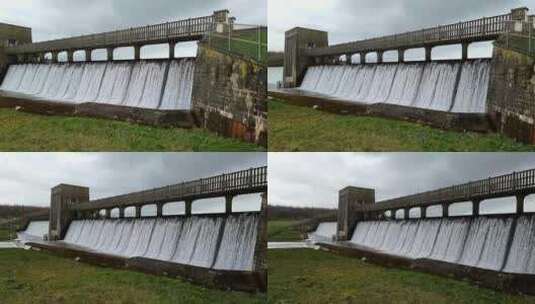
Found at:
[252, 180]
[520, 37]
[246, 40]
[193, 28]
[488, 28]
[499, 186]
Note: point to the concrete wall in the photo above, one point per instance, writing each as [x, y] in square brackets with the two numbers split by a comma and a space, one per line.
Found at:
[295, 62]
[230, 95]
[62, 197]
[11, 34]
[350, 199]
[511, 99]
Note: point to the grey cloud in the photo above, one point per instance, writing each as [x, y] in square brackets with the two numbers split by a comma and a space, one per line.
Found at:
[310, 179]
[27, 178]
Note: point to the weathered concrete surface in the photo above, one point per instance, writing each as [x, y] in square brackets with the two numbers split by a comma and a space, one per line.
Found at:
[511, 99]
[297, 41]
[221, 279]
[62, 198]
[437, 119]
[351, 200]
[507, 282]
[159, 118]
[229, 95]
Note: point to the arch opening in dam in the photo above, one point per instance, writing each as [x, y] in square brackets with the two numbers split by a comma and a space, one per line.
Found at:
[154, 84]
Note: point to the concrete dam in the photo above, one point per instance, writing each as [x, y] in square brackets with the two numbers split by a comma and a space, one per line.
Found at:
[496, 249]
[480, 95]
[165, 85]
[222, 249]
[222, 89]
[209, 242]
[459, 87]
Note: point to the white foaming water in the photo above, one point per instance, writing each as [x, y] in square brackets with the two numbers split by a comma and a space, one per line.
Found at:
[35, 230]
[457, 87]
[238, 243]
[324, 232]
[143, 84]
[179, 85]
[210, 242]
[481, 242]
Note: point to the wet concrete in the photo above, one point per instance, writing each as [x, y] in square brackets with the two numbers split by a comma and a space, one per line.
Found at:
[461, 122]
[507, 282]
[247, 281]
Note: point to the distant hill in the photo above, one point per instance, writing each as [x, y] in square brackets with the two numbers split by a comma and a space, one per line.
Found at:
[293, 213]
[10, 211]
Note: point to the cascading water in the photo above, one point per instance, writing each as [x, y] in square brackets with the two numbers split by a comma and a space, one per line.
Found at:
[324, 232]
[165, 85]
[479, 242]
[443, 86]
[35, 230]
[225, 243]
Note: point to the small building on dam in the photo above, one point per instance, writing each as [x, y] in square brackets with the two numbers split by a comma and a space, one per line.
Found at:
[222, 89]
[482, 95]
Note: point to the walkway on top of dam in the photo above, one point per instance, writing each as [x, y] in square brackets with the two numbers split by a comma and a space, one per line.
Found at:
[191, 29]
[483, 29]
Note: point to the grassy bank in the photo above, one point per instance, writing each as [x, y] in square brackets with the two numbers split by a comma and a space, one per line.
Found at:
[308, 276]
[283, 231]
[31, 132]
[4, 234]
[294, 128]
[33, 277]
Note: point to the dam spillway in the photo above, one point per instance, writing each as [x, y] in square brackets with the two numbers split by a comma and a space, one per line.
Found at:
[221, 243]
[458, 87]
[34, 230]
[503, 244]
[164, 85]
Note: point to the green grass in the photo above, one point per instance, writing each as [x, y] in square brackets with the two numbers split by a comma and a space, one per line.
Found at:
[4, 235]
[295, 128]
[33, 277]
[31, 132]
[283, 231]
[308, 276]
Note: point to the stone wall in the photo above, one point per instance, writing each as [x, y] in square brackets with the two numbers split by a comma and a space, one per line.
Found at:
[230, 95]
[511, 99]
[350, 200]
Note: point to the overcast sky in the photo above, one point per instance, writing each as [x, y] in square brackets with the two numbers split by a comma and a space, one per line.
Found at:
[26, 178]
[314, 179]
[53, 19]
[351, 20]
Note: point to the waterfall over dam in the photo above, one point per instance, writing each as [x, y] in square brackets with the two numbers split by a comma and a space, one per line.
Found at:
[459, 87]
[35, 230]
[325, 232]
[165, 85]
[504, 244]
[222, 243]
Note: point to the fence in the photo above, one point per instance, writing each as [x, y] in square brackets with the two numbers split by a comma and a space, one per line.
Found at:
[170, 31]
[473, 30]
[252, 180]
[499, 186]
[246, 40]
[520, 37]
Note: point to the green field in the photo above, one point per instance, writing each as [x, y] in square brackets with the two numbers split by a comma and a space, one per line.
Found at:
[30, 132]
[4, 234]
[309, 276]
[283, 231]
[295, 128]
[33, 277]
